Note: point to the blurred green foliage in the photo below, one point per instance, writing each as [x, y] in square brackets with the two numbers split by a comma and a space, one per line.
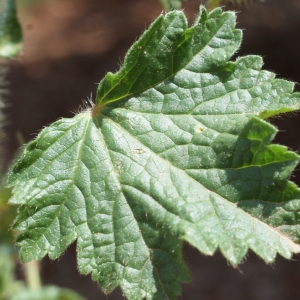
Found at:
[10, 29]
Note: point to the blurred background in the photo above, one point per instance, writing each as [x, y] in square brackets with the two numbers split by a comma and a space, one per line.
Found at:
[69, 45]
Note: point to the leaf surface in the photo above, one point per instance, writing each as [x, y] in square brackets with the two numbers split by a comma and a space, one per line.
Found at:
[175, 149]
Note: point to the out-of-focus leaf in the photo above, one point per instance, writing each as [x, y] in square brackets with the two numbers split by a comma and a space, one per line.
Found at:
[8, 285]
[171, 4]
[10, 29]
[48, 293]
[211, 4]
[7, 215]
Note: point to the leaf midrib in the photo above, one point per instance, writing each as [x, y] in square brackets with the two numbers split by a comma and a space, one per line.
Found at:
[213, 192]
[159, 82]
[102, 137]
[66, 194]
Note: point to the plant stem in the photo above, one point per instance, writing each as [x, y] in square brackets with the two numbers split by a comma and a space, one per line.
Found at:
[32, 275]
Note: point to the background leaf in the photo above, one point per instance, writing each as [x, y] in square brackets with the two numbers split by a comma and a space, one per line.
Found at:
[171, 4]
[164, 155]
[8, 285]
[7, 215]
[48, 293]
[10, 29]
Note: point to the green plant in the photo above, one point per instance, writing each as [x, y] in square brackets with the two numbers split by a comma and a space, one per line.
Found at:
[10, 30]
[176, 148]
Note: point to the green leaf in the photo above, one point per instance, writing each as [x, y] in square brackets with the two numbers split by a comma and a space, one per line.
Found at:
[8, 285]
[175, 149]
[48, 293]
[171, 4]
[169, 46]
[211, 4]
[10, 29]
[7, 215]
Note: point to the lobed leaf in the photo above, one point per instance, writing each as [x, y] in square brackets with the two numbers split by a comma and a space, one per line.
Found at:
[175, 149]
